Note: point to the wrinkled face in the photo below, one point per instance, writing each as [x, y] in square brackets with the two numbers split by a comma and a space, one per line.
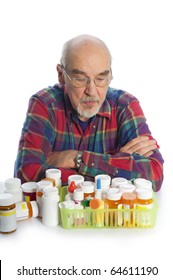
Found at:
[89, 62]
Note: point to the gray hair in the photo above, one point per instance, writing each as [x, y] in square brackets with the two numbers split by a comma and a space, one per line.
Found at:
[80, 39]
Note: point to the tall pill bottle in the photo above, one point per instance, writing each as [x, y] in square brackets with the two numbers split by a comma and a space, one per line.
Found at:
[39, 193]
[56, 175]
[8, 222]
[144, 202]
[13, 186]
[78, 196]
[128, 203]
[29, 191]
[98, 216]
[113, 201]
[78, 179]
[50, 211]
[118, 181]
[142, 183]
[88, 188]
[26, 210]
[105, 181]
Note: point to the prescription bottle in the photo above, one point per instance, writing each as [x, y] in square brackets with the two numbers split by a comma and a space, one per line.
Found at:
[129, 204]
[144, 202]
[78, 195]
[50, 212]
[88, 188]
[26, 210]
[113, 202]
[98, 216]
[56, 175]
[78, 179]
[8, 222]
[13, 186]
[29, 191]
[39, 193]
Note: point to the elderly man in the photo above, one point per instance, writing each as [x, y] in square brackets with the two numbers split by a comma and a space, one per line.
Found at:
[81, 125]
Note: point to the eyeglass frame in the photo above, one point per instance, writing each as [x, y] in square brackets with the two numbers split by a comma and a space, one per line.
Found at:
[88, 80]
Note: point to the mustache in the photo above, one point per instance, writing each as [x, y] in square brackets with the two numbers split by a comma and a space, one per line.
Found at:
[89, 99]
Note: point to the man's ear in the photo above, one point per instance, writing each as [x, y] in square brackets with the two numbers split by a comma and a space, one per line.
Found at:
[60, 74]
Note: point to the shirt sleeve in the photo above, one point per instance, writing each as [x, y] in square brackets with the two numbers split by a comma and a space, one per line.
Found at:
[37, 137]
[131, 123]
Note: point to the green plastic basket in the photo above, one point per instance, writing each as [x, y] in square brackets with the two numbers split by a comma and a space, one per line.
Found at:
[107, 218]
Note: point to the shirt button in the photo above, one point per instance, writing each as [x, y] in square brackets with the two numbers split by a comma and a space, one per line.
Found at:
[93, 164]
[94, 126]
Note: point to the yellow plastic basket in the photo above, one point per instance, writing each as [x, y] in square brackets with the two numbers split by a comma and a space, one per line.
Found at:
[107, 218]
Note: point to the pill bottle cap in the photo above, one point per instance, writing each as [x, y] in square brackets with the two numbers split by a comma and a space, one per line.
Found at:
[113, 194]
[72, 187]
[78, 194]
[141, 182]
[128, 198]
[127, 187]
[105, 180]
[29, 187]
[12, 184]
[53, 173]
[50, 180]
[95, 203]
[86, 202]
[116, 182]
[42, 184]
[88, 186]
[143, 193]
[50, 191]
[78, 179]
[34, 206]
[6, 199]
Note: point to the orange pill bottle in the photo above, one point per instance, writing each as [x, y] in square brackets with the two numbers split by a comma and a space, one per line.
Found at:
[113, 201]
[128, 205]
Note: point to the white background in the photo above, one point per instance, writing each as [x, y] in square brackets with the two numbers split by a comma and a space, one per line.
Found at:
[139, 35]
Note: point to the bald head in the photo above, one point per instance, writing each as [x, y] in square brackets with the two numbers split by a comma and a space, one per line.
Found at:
[81, 44]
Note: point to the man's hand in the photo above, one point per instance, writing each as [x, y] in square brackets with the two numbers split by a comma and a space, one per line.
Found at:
[141, 145]
[64, 159]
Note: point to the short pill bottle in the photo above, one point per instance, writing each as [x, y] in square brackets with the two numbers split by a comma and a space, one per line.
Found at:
[8, 222]
[26, 210]
[29, 191]
[39, 193]
[88, 188]
[78, 179]
[78, 196]
[56, 175]
[113, 198]
[129, 203]
[50, 211]
[144, 198]
[13, 186]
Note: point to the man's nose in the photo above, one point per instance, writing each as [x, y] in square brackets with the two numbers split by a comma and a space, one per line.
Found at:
[91, 88]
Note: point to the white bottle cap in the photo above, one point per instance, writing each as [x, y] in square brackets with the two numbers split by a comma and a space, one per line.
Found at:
[78, 194]
[42, 184]
[143, 193]
[113, 194]
[127, 187]
[34, 206]
[50, 191]
[78, 179]
[87, 186]
[12, 184]
[6, 199]
[116, 182]
[53, 173]
[29, 187]
[105, 180]
[141, 182]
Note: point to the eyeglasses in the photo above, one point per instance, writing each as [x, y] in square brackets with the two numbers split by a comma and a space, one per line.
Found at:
[83, 82]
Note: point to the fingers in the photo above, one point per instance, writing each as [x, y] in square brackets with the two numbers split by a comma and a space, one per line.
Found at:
[141, 145]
